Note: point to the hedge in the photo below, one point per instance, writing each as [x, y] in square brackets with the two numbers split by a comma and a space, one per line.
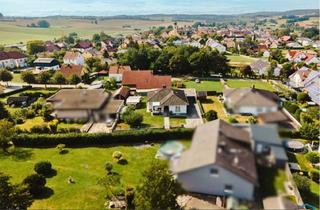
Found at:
[289, 133]
[87, 139]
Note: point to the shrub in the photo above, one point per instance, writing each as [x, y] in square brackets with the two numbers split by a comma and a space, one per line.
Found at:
[43, 168]
[313, 157]
[86, 139]
[61, 147]
[302, 182]
[108, 167]
[129, 193]
[211, 115]
[232, 120]
[35, 184]
[315, 175]
[117, 155]
[309, 131]
[40, 129]
[252, 120]
[302, 97]
[134, 119]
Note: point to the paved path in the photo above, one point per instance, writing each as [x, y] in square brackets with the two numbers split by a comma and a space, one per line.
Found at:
[166, 123]
[194, 117]
[100, 128]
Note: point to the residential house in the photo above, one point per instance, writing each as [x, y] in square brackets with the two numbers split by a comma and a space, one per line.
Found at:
[93, 53]
[82, 104]
[12, 59]
[278, 118]
[260, 67]
[46, 64]
[219, 162]
[122, 93]
[51, 47]
[267, 145]
[250, 101]
[75, 58]
[305, 42]
[68, 70]
[312, 86]
[116, 72]
[285, 39]
[294, 45]
[297, 56]
[296, 80]
[145, 80]
[82, 46]
[167, 101]
[216, 45]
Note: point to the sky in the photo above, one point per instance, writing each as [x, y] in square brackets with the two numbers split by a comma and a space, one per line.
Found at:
[139, 7]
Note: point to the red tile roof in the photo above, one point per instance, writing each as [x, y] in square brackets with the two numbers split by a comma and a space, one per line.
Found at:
[119, 69]
[145, 80]
[11, 55]
[70, 70]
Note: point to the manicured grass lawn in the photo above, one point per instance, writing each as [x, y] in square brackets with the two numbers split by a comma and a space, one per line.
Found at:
[84, 165]
[69, 125]
[240, 59]
[17, 78]
[205, 85]
[233, 83]
[213, 103]
[29, 123]
[177, 122]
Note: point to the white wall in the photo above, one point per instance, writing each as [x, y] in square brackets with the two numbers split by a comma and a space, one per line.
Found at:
[255, 110]
[201, 181]
[183, 109]
[117, 77]
[77, 61]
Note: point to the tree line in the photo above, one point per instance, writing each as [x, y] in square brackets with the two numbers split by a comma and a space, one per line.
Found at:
[176, 60]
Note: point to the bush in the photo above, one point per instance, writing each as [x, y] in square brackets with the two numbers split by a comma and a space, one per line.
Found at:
[313, 157]
[291, 107]
[40, 129]
[232, 120]
[303, 97]
[252, 120]
[315, 175]
[35, 184]
[43, 168]
[108, 167]
[87, 139]
[211, 115]
[302, 182]
[309, 131]
[61, 147]
[133, 119]
[117, 155]
[129, 197]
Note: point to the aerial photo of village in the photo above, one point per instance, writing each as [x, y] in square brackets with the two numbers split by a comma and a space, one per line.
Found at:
[151, 105]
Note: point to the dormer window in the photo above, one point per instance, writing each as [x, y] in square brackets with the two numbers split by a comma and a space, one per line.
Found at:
[214, 172]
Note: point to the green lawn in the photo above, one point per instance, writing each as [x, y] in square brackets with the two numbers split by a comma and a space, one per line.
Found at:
[239, 83]
[204, 85]
[17, 78]
[177, 121]
[29, 123]
[240, 59]
[84, 165]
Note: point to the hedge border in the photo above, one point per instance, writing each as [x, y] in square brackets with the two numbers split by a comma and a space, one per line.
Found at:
[24, 88]
[101, 139]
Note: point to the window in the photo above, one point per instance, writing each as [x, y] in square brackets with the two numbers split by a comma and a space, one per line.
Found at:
[214, 172]
[228, 189]
[177, 108]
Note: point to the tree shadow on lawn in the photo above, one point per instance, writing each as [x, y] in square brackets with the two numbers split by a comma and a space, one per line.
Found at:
[52, 173]
[18, 154]
[46, 193]
[207, 101]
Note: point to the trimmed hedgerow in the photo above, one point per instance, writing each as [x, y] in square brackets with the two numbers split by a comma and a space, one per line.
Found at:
[87, 139]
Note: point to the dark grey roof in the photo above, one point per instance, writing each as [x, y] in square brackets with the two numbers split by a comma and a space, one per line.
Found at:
[279, 153]
[168, 97]
[265, 134]
[220, 143]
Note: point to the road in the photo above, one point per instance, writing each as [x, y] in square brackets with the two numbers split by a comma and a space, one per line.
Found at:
[43, 85]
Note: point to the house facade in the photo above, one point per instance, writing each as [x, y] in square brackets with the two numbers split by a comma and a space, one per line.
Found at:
[73, 58]
[167, 101]
[296, 80]
[116, 72]
[216, 45]
[13, 59]
[46, 64]
[250, 101]
[219, 162]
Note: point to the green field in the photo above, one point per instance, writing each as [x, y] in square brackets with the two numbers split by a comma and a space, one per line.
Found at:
[84, 165]
[236, 83]
[236, 60]
[204, 85]
[15, 32]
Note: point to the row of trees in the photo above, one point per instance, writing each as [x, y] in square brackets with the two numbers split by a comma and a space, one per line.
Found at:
[181, 60]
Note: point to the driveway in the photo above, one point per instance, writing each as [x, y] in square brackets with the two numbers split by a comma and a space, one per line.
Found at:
[100, 128]
[194, 117]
